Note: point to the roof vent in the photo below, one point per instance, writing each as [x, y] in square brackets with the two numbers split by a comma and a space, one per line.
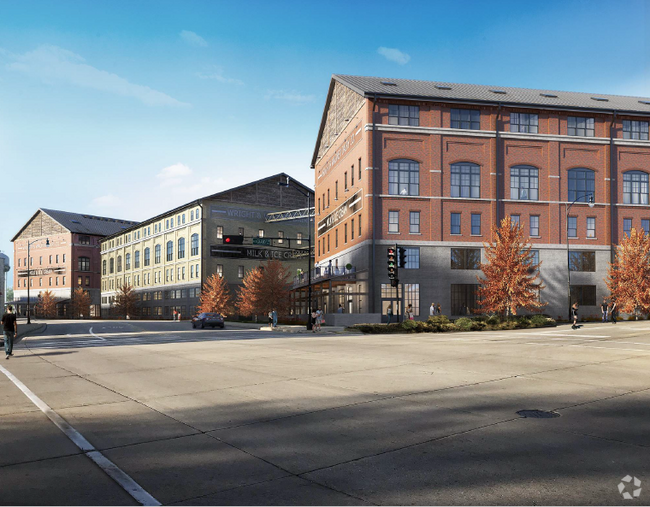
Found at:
[600, 99]
[501, 92]
[647, 102]
[388, 83]
[548, 95]
[443, 87]
[75, 221]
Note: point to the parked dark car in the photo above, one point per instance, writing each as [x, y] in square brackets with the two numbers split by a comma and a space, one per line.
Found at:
[207, 319]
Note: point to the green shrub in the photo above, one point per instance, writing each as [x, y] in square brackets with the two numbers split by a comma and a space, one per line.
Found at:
[538, 321]
[438, 320]
[464, 324]
[493, 320]
[507, 324]
[523, 322]
[409, 325]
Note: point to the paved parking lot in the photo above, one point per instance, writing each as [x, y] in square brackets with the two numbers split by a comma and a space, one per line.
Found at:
[244, 417]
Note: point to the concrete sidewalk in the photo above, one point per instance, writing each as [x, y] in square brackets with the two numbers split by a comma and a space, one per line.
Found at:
[25, 330]
[302, 328]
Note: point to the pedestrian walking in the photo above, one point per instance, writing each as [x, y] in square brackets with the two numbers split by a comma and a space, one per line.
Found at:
[432, 310]
[613, 312]
[409, 312]
[574, 314]
[9, 330]
[438, 309]
[314, 317]
[270, 317]
[389, 313]
[274, 315]
[340, 309]
[604, 309]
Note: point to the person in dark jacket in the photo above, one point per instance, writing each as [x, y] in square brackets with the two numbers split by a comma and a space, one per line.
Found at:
[9, 330]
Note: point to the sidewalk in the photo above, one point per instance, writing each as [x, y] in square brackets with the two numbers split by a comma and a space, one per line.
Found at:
[25, 329]
[302, 328]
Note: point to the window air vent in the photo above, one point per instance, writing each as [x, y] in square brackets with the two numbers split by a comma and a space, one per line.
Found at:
[548, 95]
[647, 102]
[500, 92]
[388, 83]
[443, 87]
[600, 99]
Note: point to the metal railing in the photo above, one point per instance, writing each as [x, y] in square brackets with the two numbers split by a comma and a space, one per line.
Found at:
[322, 273]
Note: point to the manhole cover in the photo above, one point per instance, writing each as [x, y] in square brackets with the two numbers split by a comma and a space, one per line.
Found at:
[538, 414]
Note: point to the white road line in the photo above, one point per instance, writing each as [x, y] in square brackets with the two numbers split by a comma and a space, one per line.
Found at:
[91, 332]
[584, 346]
[110, 468]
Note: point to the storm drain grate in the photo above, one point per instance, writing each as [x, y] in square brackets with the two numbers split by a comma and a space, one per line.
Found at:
[538, 414]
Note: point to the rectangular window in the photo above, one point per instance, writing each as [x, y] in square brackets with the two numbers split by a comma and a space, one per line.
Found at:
[260, 233]
[455, 223]
[514, 219]
[84, 240]
[524, 122]
[280, 237]
[403, 177]
[352, 229]
[393, 221]
[627, 226]
[336, 238]
[465, 180]
[633, 129]
[219, 231]
[328, 243]
[328, 197]
[534, 225]
[465, 258]
[579, 126]
[591, 227]
[403, 115]
[336, 190]
[345, 233]
[240, 271]
[345, 181]
[463, 299]
[359, 225]
[318, 208]
[219, 270]
[414, 222]
[535, 260]
[80, 281]
[466, 119]
[582, 261]
[645, 225]
[476, 224]
[412, 258]
[573, 227]
[584, 295]
[359, 170]
[352, 175]
[524, 183]
[412, 297]
[299, 238]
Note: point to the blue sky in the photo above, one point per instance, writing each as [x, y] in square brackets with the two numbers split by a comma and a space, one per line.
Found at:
[127, 109]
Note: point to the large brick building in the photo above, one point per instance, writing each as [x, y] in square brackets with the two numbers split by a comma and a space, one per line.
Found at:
[431, 166]
[64, 255]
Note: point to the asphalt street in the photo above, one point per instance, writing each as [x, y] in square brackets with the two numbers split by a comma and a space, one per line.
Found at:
[243, 417]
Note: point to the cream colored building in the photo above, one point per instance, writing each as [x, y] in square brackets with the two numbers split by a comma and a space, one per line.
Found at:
[168, 257]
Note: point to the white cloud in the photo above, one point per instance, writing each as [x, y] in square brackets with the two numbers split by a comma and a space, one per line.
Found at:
[193, 39]
[107, 201]
[394, 55]
[173, 175]
[289, 96]
[216, 73]
[53, 64]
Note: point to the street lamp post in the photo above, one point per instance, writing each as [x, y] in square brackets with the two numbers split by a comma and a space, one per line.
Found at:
[29, 272]
[568, 253]
[309, 289]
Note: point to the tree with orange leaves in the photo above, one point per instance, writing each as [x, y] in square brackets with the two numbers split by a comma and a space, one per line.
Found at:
[46, 306]
[628, 277]
[215, 296]
[80, 303]
[510, 278]
[265, 288]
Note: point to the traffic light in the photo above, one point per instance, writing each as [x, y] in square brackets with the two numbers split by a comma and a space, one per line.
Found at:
[401, 256]
[392, 263]
[233, 239]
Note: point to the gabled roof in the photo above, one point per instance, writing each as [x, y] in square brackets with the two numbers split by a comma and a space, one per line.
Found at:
[370, 87]
[195, 202]
[437, 90]
[82, 224]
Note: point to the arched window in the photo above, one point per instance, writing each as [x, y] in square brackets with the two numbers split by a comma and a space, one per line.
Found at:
[157, 250]
[403, 177]
[465, 180]
[128, 261]
[119, 263]
[524, 183]
[195, 244]
[103, 267]
[147, 256]
[170, 251]
[191, 215]
[181, 248]
[581, 184]
[136, 259]
[635, 187]
[111, 265]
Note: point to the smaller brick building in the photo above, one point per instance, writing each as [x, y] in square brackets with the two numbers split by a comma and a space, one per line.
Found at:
[71, 260]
